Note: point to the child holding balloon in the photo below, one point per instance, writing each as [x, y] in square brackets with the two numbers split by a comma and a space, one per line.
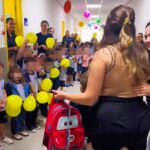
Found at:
[32, 78]
[3, 117]
[17, 86]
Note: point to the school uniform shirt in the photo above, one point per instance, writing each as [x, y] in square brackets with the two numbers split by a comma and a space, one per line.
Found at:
[79, 58]
[42, 41]
[33, 79]
[85, 60]
[1, 93]
[67, 41]
[11, 41]
[63, 74]
[21, 91]
[72, 64]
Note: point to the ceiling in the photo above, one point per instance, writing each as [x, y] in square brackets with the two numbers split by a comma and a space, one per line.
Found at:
[79, 6]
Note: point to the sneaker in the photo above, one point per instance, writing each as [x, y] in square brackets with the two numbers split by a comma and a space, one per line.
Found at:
[24, 133]
[17, 137]
[33, 130]
[7, 140]
[1, 148]
[67, 85]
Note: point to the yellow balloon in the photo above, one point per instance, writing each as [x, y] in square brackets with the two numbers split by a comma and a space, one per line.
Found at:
[29, 104]
[50, 43]
[81, 24]
[50, 98]
[65, 63]
[95, 35]
[42, 97]
[19, 40]
[14, 102]
[78, 38]
[12, 113]
[54, 73]
[31, 37]
[46, 85]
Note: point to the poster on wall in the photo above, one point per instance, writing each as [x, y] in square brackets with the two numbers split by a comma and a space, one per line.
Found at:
[2, 33]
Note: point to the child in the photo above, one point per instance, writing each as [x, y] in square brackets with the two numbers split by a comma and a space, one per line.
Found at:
[85, 60]
[31, 78]
[45, 73]
[70, 70]
[79, 62]
[85, 111]
[3, 117]
[18, 86]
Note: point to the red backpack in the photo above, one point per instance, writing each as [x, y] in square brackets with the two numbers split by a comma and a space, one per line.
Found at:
[64, 129]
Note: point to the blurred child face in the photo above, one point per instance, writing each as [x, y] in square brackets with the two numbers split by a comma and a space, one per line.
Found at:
[31, 66]
[71, 52]
[16, 77]
[10, 26]
[86, 50]
[49, 66]
[1, 72]
[59, 55]
[44, 27]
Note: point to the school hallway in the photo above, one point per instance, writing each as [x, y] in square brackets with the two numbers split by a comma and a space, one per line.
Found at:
[34, 140]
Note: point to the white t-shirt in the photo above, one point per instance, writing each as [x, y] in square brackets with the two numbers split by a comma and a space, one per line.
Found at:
[20, 89]
[63, 74]
[34, 80]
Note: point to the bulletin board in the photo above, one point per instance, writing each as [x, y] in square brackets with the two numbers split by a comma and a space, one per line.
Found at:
[2, 31]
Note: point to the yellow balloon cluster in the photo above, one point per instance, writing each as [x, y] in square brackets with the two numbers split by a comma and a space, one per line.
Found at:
[46, 85]
[54, 73]
[65, 63]
[31, 37]
[13, 105]
[29, 104]
[50, 43]
[42, 97]
[19, 40]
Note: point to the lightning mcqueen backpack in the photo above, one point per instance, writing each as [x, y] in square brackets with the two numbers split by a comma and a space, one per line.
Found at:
[64, 129]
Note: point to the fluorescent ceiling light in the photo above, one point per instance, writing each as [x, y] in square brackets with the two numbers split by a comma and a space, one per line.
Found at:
[93, 6]
[94, 16]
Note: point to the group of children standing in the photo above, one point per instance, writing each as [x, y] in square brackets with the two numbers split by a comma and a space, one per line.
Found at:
[26, 72]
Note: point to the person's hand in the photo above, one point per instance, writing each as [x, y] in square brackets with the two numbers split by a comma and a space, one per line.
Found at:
[59, 95]
[44, 47]
[15, 48]
[141, 90]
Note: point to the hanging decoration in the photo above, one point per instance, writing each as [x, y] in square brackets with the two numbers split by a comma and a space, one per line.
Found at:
[89, 25]
[98, 20]
[67, 6]
[102, 26]
[86, 14]
[81, 24]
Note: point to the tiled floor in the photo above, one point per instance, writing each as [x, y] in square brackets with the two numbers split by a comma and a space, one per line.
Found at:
[34, 140]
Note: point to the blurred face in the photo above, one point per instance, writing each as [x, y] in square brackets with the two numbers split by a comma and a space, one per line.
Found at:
[86, 50]
[71, 52]
[139, 38]
[31, 66]
[16, 77]
[147, 37]
[44, 27]
[59, 55]
[1, 72]
[10, 26]
[48, 65]
[67, 33]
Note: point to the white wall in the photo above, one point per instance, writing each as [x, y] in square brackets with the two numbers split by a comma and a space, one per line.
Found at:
[50, 10]
[142, 11]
